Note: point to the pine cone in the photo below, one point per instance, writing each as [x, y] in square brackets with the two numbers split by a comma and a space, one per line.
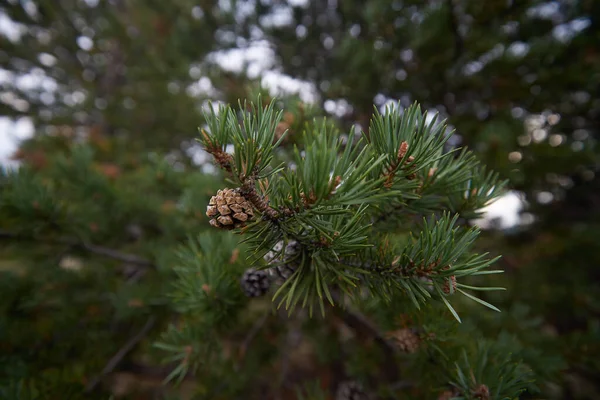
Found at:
[286, 262]
[449, 286]
[446, 395]
[482, 392]
[351, 390]
[255, 283]
[229, 209]
[406, 339]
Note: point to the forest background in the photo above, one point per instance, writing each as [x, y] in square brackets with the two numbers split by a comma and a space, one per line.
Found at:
[107, 96]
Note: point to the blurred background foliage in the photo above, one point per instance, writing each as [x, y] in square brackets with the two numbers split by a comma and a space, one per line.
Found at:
[110, 93]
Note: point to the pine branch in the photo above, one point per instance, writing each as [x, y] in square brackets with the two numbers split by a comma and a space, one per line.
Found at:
[95, 249]
[458, 40]
[116, 255]
[222, 158]
[249, 192]
[387, 214]
[253, 332]
[120, 355]
[364, 327]
[151, 372]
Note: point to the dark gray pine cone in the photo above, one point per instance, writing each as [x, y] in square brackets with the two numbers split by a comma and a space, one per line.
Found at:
[255, 283]
[286, 262]
[351, 390]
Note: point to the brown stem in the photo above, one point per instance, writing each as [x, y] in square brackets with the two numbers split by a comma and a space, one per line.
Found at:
[253, 332]
[391, 170]
[458, 40]
[221, 157]
[116, 255]
[100, 250]
[248, 190]
[120, 355]
[364, 327]
[150, 372]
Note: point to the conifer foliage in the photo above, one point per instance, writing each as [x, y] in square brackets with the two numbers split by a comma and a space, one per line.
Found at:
[323, 244]
[330, 204]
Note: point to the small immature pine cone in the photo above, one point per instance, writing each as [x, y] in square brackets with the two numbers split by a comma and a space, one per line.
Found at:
[446, 395]
[411, 175]
[280, 129]
[449, 286]
[402, 150]
[255, 283]
[482, 392]
[228, 209]
[407, 340]
[351, 390]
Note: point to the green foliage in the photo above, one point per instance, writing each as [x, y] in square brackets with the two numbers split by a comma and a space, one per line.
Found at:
[189, 357]
[102, 225]
[426, 265]
[505, 378]
[206, 264]
[312, 391]
[252, 138]
[323, 205]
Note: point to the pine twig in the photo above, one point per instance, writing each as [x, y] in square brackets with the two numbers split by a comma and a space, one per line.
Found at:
[363, 326]
[222, 158]
[144, 371]
[292, 339]
[116, 255]
[253, 332]
[92, 248]
[120, 355]
[458, 40]
[249, 192]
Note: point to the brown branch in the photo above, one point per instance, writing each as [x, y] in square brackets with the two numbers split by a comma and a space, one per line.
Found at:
[253, 332]
[248, 190]
[143, 371]
[10, 235]
[116, 255]
[221, 157]
[364, 327]
[120, 355]
[95, 249]
[458, 40]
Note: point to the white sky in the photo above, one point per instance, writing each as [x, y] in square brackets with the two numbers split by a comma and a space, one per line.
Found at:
[11, 133]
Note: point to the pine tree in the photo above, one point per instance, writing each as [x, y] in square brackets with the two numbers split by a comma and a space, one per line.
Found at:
[330, 220]
[106, 67]
[109, 263]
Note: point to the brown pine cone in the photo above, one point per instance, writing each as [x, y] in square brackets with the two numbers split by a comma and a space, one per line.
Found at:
[407, 340]
[449, 286]
[481, 392]
[228, 209]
